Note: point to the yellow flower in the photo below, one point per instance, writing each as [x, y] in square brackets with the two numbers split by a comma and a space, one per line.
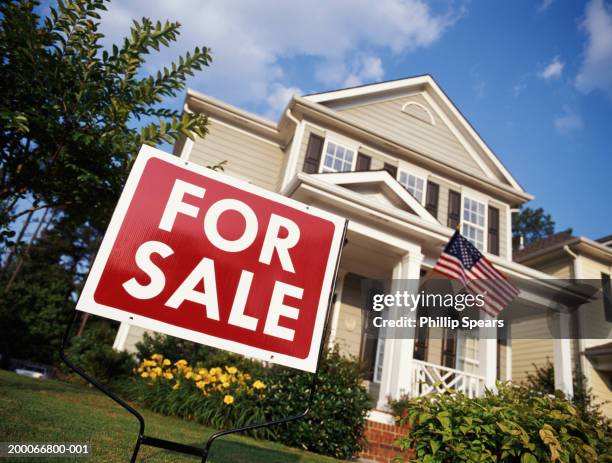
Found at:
[259, 385]
[216, 371]
[168, 375]
[228, 400]
[203, 371]
[166, 362]
[226, 385]
[153, 375]
[157, 357]
[197, 377]
[188, 375]
[157, 370]
[176, 386]
[148, 363]
[231, 370]
[145, 375]
[181, 363]
[200, 384]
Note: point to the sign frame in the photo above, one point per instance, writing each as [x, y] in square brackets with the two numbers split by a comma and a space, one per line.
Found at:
[87, 303]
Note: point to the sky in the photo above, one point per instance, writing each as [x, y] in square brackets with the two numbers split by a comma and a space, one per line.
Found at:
[533, 78]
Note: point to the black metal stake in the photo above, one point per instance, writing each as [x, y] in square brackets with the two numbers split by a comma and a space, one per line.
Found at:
[185, 448]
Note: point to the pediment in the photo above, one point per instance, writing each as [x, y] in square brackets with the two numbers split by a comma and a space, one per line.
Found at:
[381, 188]
[416, 113]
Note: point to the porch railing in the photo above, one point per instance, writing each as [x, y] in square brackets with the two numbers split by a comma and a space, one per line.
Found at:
[428, 378]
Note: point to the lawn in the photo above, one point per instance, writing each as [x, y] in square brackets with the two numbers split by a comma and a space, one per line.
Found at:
[52, 411]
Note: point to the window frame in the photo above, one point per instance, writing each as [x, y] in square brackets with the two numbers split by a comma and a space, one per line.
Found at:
[342, 143]
[477, 198]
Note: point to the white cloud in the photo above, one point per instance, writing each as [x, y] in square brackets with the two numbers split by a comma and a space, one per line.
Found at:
[545, 5]
[596, 69]
[553, 70]
[280, 96]
[568, 122]
[252, 41]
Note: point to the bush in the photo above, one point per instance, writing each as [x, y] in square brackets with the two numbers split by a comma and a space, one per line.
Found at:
[543, 379]
[220, 397]
[336, 422]
[226, 396]
[93, 351]
[516, 424]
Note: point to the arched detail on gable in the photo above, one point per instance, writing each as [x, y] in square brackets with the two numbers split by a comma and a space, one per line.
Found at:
[419, 111]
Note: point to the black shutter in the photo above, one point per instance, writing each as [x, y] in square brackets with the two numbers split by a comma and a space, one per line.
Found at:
[313, 154]
[391, 169]
[606, 287]
[454, 209]
[363, 162]
[493, 230]
[431, 200]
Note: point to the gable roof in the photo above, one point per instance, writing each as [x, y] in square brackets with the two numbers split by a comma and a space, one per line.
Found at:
[555, 243]
[482, 154]
[382, 180]
[543, 244]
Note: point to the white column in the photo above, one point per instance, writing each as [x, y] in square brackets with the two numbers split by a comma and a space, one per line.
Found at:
[562, 354]
[508, 352]
[122, 334]
[399, 347]
[487, 352]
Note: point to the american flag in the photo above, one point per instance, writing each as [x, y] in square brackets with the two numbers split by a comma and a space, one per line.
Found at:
[462, 262]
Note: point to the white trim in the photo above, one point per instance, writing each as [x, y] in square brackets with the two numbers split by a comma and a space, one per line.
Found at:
[508, 232]
[432, 120]
[187, 148]
[562, 355]
[121, 337]
[294, 154]
[508, 352]
[379, 416]
[343, 142]
[87, 302]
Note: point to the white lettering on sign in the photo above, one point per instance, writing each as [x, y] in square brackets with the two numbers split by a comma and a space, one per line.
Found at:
[144, 262]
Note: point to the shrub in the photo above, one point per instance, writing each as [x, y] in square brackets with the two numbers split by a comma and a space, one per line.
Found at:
[93, 351]
[226, 396]
[516, 424]
[542, 378]
[336, 422]
[220, 397]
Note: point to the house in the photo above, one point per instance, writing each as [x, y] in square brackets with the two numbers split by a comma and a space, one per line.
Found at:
[400, 161]
[589, 261]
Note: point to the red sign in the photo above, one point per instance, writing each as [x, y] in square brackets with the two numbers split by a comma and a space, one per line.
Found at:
[197, 254]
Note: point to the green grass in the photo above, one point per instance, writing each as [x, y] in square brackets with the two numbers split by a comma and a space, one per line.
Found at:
[52, 411]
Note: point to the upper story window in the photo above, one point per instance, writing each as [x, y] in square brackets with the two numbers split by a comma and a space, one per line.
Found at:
[473, 225]
[338, 158]
[414, 184]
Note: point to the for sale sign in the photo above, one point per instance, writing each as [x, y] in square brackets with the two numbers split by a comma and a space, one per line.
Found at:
[197, 254]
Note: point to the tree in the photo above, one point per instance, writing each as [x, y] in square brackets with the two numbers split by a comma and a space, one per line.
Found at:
[69, 108]
[532, 225]
[73, 115]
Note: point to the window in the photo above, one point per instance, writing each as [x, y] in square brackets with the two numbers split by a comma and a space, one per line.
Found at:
[432, 198]
[413, 184]
[474, 222]
[338, 158]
